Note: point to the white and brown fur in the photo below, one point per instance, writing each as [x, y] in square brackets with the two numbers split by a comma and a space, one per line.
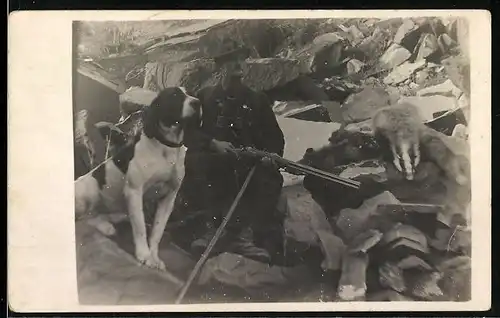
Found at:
[399, 127]
[400, 130]
[155, 155]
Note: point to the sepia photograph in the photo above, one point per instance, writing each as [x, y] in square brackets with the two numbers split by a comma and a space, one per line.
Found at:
[272, 160]
[249, 161]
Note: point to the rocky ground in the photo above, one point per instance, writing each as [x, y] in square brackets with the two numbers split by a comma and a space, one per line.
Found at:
[389, 240]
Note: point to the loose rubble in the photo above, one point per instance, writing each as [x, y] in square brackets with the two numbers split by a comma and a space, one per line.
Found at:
[403, 72]
[414, 237]
[394, 56]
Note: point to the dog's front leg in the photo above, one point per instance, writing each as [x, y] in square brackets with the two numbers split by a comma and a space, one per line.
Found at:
[133, 197]
[163, 212]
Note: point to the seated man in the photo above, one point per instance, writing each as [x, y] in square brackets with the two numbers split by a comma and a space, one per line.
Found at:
[234, 116]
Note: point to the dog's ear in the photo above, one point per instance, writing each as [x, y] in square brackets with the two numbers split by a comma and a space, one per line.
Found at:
[110, 130]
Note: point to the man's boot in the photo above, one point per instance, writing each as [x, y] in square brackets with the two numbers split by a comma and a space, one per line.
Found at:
[238, 242]
[244, 244]
[199, 245]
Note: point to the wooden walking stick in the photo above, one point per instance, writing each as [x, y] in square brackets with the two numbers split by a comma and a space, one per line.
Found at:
[216, 237]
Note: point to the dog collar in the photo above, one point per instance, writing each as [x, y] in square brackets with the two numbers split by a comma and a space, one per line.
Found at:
[170, 143]
[167, 142]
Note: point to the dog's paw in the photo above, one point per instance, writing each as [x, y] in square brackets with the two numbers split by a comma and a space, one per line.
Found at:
[151, 260]
[155, 263]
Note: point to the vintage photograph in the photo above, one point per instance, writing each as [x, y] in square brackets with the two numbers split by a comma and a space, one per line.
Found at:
[272, 160]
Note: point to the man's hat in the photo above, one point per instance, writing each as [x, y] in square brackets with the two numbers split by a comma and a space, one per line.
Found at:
[231, 51]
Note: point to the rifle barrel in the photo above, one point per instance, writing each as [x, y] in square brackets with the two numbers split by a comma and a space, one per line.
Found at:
[325, 175]
[302, 168]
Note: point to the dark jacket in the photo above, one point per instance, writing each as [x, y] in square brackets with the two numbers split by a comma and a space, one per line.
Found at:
[241, 116]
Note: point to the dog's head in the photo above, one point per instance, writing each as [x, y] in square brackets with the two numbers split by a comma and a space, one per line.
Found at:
[170, 114]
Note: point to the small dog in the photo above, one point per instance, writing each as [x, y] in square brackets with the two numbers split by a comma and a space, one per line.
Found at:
[151, 156]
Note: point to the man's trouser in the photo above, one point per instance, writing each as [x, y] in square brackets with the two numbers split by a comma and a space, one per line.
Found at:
[212, 182]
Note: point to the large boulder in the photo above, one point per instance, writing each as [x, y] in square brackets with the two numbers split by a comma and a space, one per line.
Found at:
[431, 106]
[306, 223]
[390, 23]
[301, 134]
[447, 88]
[267, 73]
[134, 99]
[301, 88]
[246, 32]
[394, 56]
[352, 222]
[458, 29]
[317, 112]
[257, 279]
[446, 43]
[391, 276]
[344, 148]
[324, 52]
[172, 55]
[327, 39]
[373, 45]
[458, 69]
[403, 72]
[193, 75]
[353, 33]
[354, 66]
[408, 26]
[361, 106]
[452, 155]
[456, 279]
[456, 238]
[304, 217]
[158, 53]
[414, 31]
[338, 88]
[352, 284]
[427, 46]
[451, 123]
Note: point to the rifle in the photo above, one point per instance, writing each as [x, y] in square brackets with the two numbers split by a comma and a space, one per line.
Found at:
[296, 168]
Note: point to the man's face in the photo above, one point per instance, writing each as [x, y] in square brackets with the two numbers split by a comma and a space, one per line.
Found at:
[230, 72]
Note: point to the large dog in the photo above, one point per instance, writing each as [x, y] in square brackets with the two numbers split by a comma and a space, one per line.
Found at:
[153, 154]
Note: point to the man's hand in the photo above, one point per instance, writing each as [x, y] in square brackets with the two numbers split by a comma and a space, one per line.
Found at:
[222, 146]
[269, 162]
